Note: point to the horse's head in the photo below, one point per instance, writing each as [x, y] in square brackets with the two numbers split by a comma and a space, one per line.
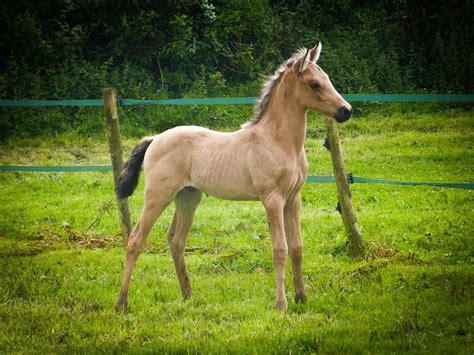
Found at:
[314, 88]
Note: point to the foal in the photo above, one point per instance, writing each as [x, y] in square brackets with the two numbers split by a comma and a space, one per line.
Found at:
[265, 161]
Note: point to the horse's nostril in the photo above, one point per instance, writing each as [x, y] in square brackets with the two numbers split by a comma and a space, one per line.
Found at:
[347, 113]
[343, 114]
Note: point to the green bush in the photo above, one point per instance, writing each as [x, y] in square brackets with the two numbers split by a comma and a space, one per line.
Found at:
[189, 48]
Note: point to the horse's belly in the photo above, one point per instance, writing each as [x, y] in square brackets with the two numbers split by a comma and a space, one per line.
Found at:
[226, 182]
[228, 189]
[228, 194]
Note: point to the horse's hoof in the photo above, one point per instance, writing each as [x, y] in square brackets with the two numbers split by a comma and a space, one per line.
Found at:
[282, 305]
[300, 298]
[121, 307]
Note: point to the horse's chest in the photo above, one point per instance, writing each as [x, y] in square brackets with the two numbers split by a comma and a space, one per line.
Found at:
[298, 179]
[289, 179]
[300, 173]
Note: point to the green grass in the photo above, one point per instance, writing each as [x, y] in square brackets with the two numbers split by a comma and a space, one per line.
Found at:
[61, 261]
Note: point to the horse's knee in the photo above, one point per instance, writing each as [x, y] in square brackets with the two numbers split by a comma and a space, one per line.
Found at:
[296, 250]
[136, 244]
[169, 236]
[176, 244]
[280, 252]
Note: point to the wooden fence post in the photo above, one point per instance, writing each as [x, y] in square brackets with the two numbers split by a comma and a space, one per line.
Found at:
[115, 147]
[356, 246]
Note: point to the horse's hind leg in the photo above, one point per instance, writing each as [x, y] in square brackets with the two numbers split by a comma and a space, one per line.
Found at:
[186, 202]
[154, 205]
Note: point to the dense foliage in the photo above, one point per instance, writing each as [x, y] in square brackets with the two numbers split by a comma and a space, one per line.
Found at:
[64, 49]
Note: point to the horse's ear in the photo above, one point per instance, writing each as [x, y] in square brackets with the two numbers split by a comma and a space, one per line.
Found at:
[302, 63]
[315, 52]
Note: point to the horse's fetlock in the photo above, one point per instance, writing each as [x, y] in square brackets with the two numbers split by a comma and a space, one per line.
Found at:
[281, 304]
[300, 297]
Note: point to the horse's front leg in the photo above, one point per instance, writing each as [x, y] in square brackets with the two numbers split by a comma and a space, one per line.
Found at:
[274, 205]
[295, 245]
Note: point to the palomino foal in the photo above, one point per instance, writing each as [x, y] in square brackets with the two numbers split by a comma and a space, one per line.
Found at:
[265, 160]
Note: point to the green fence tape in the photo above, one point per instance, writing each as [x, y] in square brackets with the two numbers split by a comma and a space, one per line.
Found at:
[50, 103]
[314, 178]
[363, 180]
[410, 97]
[310, 178]
[51, 168]
[235, 100]
[192, 101]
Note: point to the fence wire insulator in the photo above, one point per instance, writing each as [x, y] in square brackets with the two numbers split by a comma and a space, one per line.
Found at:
[350, 178]
[119, 100]
[338, 208]
[326, 143]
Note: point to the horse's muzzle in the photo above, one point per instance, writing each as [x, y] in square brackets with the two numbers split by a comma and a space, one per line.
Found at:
[342, 114]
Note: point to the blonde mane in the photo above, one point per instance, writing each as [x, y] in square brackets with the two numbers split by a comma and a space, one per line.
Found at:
[269, 87]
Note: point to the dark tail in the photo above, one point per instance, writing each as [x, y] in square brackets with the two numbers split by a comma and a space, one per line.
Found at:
[128, 178]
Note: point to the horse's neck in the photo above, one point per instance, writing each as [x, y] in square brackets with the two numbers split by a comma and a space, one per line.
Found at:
[285, 121]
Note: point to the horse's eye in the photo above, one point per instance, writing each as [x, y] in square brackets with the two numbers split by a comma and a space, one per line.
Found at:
[314, 84]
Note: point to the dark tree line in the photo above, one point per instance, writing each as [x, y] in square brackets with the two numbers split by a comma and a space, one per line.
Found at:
[69, 49]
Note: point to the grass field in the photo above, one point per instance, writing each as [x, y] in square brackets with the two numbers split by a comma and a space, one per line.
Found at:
[61, 259]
